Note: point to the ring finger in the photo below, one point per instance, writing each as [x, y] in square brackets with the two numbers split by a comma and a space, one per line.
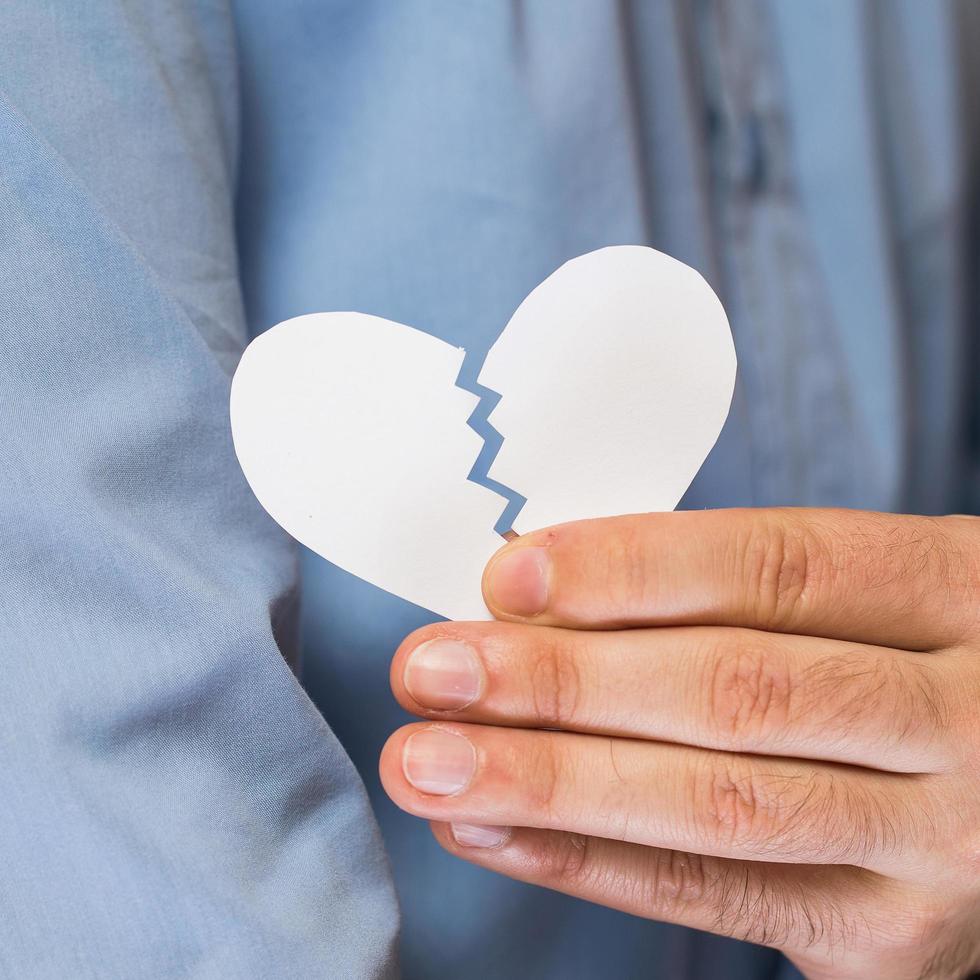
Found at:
[661, 795]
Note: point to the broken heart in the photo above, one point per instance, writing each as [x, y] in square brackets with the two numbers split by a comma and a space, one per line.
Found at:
[615, 376]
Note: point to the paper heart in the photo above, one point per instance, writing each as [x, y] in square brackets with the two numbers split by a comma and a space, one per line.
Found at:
[615, 377]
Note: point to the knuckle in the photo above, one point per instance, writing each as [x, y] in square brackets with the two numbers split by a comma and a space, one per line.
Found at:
[783, 565]
[740, 902]
[542, 760]
[555, 684]
[764, 812]
[731, 806]
[678, 880]
[749, 693]
[568, 861]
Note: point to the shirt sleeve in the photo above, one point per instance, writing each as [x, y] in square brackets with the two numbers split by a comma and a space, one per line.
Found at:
[172, 802]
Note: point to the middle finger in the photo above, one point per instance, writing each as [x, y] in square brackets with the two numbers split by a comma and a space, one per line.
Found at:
[722, 688]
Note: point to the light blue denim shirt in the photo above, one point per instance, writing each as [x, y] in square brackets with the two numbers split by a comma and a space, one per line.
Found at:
[173, 803]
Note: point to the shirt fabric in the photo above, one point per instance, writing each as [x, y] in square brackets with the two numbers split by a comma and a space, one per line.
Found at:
[174, 804]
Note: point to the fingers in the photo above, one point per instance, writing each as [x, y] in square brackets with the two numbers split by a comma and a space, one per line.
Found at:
[712, 803]
[733, 689]
[794, 908]
[907, 582]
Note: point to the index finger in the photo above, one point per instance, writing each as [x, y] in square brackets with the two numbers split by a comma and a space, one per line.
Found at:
[884, 579]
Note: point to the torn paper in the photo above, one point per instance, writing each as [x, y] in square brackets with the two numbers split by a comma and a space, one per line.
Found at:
[615, 377]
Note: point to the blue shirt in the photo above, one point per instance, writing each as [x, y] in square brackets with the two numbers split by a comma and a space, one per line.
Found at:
[173, 801]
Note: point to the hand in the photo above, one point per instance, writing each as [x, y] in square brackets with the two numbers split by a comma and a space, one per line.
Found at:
[764, 723]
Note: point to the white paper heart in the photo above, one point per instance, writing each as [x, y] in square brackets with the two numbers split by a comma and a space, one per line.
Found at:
[615, 376]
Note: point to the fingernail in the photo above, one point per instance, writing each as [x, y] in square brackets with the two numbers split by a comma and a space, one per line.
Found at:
[444, 674]
[478, 835]
[518, 581]
[438, 762]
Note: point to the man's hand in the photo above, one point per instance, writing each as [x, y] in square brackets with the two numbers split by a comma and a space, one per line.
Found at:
[760, 723]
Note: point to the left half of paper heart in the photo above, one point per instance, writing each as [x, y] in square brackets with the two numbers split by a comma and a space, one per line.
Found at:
[353, 435]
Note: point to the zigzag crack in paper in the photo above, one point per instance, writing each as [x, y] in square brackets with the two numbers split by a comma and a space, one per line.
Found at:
[480, 423]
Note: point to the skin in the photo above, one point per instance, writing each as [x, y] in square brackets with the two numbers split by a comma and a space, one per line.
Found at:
[761, 723]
